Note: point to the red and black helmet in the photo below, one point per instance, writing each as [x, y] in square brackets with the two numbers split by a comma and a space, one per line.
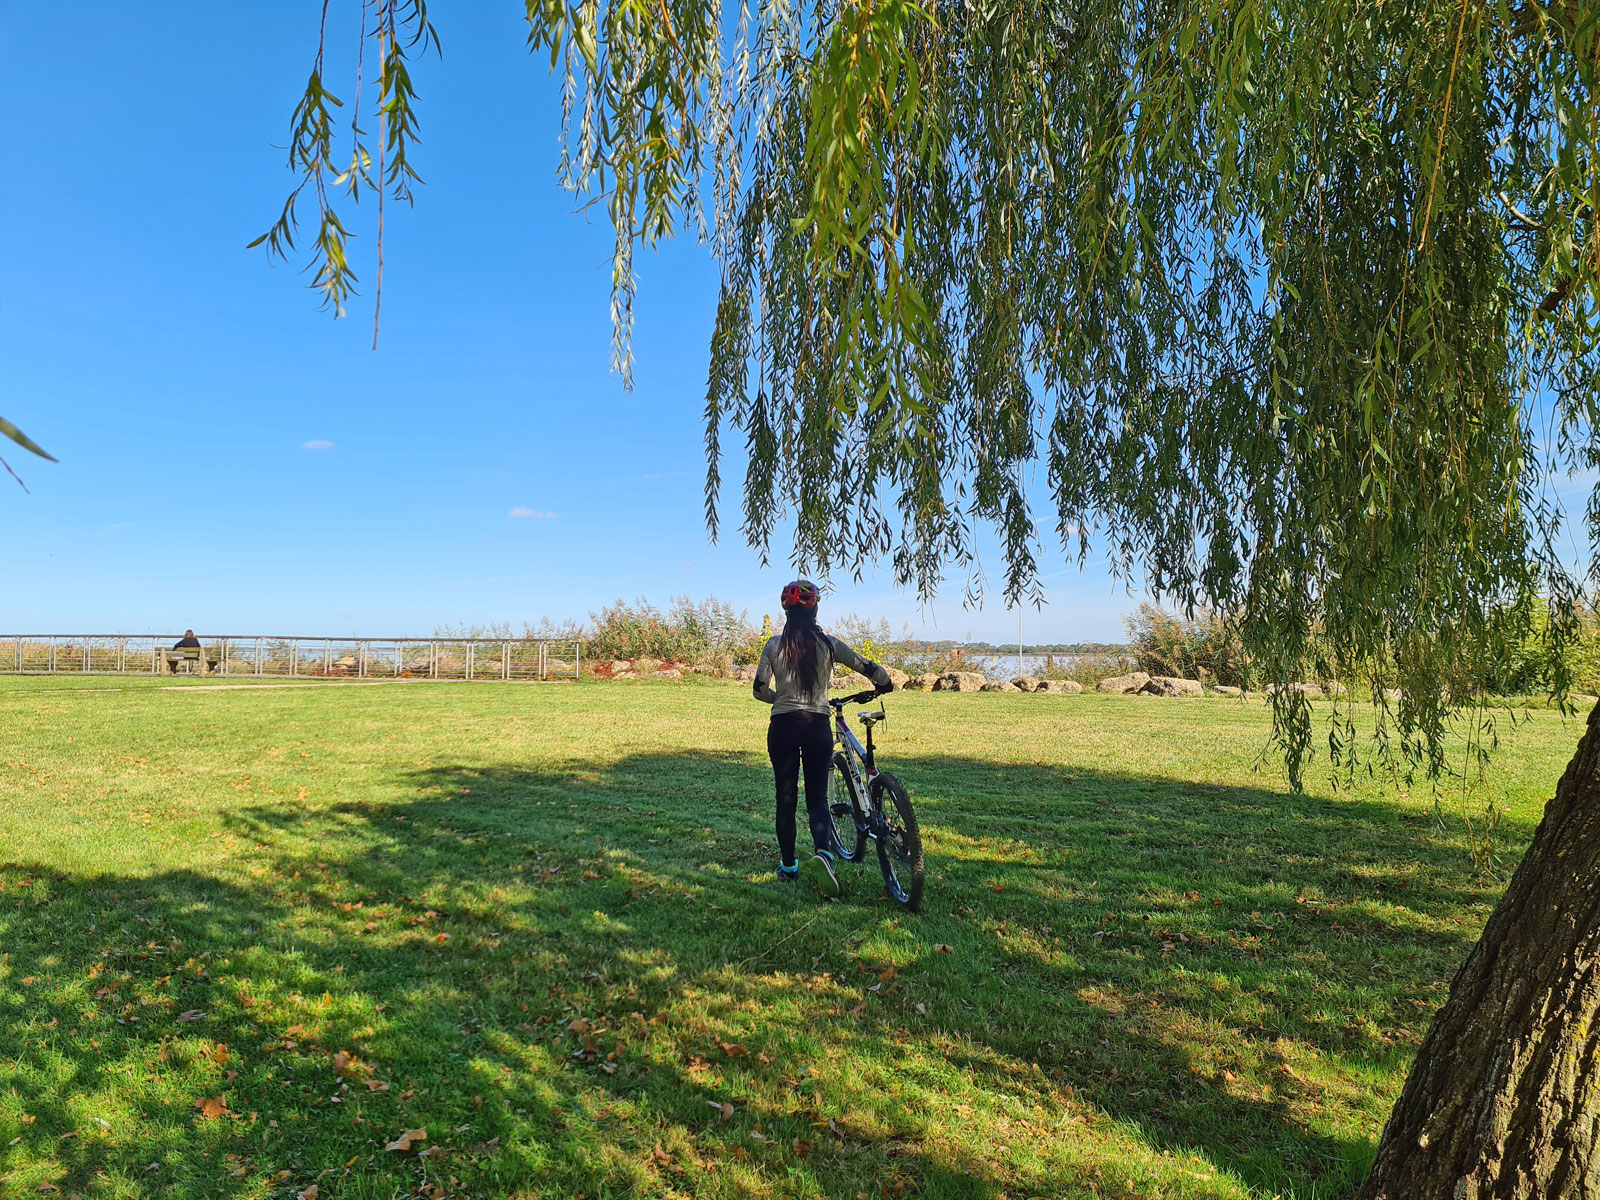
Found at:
[802, 593]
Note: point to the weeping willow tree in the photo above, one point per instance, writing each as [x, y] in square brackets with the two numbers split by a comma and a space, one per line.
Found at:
[1296, 304]
[11, 432]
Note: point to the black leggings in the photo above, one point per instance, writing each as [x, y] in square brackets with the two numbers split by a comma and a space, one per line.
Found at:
[794, 738]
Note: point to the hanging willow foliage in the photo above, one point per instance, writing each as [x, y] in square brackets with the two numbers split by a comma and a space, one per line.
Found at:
[1296, 302]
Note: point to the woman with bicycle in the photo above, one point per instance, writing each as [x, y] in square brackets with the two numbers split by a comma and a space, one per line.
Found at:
[796, 667]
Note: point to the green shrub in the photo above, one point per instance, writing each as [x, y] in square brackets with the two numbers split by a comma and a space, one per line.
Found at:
[694, 632]
[1204, 646]
[1525, 661]
[1087, 669]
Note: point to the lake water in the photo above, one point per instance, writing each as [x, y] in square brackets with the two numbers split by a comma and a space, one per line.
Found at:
[1008, 666]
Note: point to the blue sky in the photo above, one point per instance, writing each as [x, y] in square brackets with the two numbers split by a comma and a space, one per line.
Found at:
[235, 460]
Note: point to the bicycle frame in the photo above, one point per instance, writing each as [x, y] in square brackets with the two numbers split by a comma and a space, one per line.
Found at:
[858, 759]
[847, 738]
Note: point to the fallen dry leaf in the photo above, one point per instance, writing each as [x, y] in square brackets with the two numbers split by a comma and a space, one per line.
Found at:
[886, 976]
[309, 1194]
[801, 1148]
[377, 1085]
[578, 1026]
[723, 1107]
[733, 1049]
[404, 1141]
[434, 1152]
[943, 948]
[194, 1014]
[212, 1107]
[347, 1064]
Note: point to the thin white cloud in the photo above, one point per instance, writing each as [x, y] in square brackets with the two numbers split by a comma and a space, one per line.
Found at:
[531, 512]
[317, 444]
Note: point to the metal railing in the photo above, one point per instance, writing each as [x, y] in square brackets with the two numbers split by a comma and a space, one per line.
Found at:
[293, 657]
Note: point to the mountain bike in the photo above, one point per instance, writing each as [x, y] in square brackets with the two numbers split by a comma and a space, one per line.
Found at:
[877, 804]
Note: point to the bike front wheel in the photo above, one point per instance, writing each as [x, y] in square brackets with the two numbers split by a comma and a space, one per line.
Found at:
[899, 840]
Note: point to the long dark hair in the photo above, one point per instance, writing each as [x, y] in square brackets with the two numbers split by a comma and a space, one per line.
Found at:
[802, 638]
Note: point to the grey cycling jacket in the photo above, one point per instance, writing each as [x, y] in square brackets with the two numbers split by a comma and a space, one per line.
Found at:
[778, 686]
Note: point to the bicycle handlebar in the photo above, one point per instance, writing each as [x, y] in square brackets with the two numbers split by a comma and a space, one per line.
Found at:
[858, 698]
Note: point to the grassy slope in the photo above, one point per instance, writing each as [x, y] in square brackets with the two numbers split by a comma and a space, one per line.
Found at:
[1168, 978]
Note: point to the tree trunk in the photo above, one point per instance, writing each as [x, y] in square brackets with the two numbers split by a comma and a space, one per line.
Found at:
[1503, 1102]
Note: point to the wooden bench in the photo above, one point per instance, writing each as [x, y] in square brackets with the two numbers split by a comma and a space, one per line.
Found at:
[193, 654]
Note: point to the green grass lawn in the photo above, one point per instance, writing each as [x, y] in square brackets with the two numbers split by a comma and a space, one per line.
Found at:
[250, 937]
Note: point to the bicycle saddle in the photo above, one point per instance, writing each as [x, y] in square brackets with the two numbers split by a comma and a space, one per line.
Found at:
[870, 718]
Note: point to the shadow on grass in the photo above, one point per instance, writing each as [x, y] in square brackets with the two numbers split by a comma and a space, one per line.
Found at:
[547, 967]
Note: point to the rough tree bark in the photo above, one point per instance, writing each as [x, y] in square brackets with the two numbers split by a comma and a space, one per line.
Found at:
[1503, 1102]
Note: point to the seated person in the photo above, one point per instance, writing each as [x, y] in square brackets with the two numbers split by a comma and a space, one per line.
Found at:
[187, 642]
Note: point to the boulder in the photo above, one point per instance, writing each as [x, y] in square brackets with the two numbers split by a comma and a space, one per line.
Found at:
[1582, 698]
[1335, 688]
[1223, 689]
[645, 665]
[1171, 685]
[999, 685]
[1027, 683]
[624, 675]
[669, 673]
[619, 665]
[920, 683]
[747, 673]
[1061, 687]
[852, 681]
[1123, 683]
[1392, 695]
[960, 681]
[898, 677]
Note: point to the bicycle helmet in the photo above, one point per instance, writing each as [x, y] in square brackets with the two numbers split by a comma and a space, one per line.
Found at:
[801, 593]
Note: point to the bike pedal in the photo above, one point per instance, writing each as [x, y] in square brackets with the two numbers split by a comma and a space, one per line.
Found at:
[840, 810]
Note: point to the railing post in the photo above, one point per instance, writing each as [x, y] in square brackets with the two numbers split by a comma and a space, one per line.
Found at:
[222, 665]
[294, 656]
[258, 656]
[505, 660]
[433, 660]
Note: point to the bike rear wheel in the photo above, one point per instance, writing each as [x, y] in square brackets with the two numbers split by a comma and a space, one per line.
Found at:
[899, 840]
[847, 804]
